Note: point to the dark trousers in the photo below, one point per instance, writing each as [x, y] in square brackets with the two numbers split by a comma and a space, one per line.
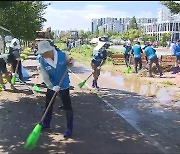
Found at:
[136, 62]
[151, 61]
[14, 64]
[66, 101]
[126, 58]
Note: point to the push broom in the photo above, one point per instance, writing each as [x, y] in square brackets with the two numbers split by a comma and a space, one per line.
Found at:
[81, 84]
[35, 87]
[35, 134]
[128, 70]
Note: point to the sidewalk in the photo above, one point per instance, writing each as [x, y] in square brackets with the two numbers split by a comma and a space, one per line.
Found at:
[97, 129]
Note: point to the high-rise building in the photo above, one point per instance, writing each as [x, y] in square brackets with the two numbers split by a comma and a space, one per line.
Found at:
[166, 23]
[116, 25]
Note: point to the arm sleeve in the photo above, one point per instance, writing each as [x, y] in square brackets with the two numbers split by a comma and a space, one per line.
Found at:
[46, 78]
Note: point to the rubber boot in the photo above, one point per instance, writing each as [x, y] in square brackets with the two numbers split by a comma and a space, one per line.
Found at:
[93, 84]
[175, 70]
[178, 69]
[61, 107]
[47, 120]
[96, 86]
[69, 118]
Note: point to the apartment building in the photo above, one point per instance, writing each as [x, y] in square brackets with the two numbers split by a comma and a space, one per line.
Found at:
[116, 25]
[166, 23]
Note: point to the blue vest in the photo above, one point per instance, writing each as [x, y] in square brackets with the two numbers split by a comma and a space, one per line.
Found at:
[137, 51]
[98, 57]
[150, 53]
[55, 74]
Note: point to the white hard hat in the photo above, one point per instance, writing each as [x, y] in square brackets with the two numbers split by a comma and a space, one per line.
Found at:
[44, 46]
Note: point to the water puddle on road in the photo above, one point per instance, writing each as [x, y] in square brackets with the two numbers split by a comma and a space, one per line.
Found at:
[160, 94]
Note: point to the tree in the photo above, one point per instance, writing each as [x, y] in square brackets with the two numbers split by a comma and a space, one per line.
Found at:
[173, 6]
[131, 35]
[23, 18]
[164, 38]
[6, 4]
[133, 23]
[145, 37]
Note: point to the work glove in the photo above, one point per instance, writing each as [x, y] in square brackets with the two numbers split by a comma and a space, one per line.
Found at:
[99, 67]
[56, 88]
[18, 59]
[38, 67]
[70, 62]
[15, 74]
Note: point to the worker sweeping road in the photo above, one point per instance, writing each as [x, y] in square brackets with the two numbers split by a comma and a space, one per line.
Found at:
[14, 51]
[53, 65]
[98, 59]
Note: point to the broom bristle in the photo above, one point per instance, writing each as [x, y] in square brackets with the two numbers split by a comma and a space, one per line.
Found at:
[13, 80]
[81, 84]
[36, 88]
[33, 138]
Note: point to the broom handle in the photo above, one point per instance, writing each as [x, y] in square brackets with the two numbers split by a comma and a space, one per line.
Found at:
[54, 95]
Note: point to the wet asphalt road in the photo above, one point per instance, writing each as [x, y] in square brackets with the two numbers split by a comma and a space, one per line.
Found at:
[158, 122]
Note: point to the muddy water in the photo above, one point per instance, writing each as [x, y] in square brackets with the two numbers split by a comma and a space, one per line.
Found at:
[160, 94]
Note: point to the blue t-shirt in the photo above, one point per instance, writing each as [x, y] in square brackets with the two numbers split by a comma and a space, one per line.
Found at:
[150, 52]
[137, 51]
[127, 49]
[177, 49]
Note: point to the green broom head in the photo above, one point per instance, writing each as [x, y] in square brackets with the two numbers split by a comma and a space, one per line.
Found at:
[128, 70]
[13, 80]
[37, 89]
[81, 84]
[33, 138]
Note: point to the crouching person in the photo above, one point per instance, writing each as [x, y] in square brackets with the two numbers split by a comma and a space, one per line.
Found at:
[152, 58]
[4, 58]
[53, 65]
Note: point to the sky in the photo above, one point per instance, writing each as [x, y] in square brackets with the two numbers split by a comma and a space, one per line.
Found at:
[66, 15]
